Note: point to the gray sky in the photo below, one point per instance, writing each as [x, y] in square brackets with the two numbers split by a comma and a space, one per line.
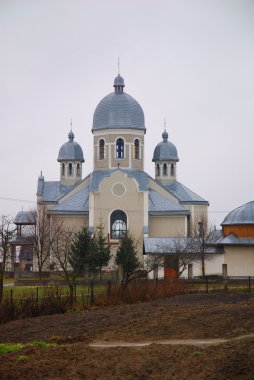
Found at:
[189, 61]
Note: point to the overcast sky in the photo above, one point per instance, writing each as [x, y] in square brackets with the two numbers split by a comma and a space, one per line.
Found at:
[190, 61]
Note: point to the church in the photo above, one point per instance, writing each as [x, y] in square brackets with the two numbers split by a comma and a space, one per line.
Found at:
[118, 193]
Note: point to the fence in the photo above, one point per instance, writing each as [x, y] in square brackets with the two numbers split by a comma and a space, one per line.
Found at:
[57, 299]
[216, 283]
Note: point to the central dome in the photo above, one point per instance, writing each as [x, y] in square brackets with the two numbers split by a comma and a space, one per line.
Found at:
[118, 110]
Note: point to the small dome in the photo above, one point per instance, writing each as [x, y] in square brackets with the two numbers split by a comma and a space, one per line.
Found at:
[119, 81]
[118, 110]
[241, 215]
[70, 151]
[165, 150]
[25, 217]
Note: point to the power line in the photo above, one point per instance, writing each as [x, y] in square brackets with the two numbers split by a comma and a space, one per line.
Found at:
[16, 200]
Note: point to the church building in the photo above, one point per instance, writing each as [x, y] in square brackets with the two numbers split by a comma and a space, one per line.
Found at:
[118, 193]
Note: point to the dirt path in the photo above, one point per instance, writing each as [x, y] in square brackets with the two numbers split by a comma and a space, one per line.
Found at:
[170, 342]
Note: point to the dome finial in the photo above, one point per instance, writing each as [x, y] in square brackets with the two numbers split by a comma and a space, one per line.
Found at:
[119, 81]
[71, 134]
[71, 124]
[165, 133]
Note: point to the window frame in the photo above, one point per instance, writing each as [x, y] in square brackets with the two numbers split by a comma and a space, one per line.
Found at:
[119, 219]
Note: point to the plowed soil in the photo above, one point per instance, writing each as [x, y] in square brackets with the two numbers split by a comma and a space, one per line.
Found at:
[194, 316]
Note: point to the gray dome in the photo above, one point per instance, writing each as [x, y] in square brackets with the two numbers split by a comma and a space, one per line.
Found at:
[25, 217]
[118, 110]
[241, 215]
[165, 150]
[70, 151]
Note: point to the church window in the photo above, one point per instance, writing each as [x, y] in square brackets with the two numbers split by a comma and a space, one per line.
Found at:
[118, 222]
[63, 169]
[136, 149]
[119, 148]
[78, 170]
[101, 149]
[165, 169]
[157, 170]
[70, 169]
[172, 170]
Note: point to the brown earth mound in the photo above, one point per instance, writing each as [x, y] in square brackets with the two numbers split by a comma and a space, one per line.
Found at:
[195, 316]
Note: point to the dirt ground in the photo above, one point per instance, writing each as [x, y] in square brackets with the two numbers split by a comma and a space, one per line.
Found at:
[195, 316]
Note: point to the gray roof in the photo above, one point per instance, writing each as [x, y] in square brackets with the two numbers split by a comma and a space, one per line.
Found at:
[70, 151]
[169, 245]
[161, 205]
[25, 217]
[233, 240]
[98, 176]
[241, 215]
[52, 191]
[118, 110]
[165, 150]
[183, 194]
[163, 245]
[78, 203]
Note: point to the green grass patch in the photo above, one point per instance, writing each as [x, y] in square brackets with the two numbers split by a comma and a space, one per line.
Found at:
[22, 358]
[5, 348]
[10, 347]
[28, 291]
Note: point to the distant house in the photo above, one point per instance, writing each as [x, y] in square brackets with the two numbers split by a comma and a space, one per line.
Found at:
[230, 251]
[238, 240]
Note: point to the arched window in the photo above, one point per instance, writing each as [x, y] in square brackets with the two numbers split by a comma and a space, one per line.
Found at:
[172, 170]
[136, 149]
[157, 169]
[63, 169]
[119, 148]
[70, 168]
[165, 169]
[118, 224]
[101, 149]
[78, 170]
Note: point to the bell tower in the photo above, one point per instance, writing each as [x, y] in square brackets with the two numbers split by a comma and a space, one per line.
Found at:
[70, 157]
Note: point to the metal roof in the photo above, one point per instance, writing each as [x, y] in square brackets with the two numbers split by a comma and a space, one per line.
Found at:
[118, 110]
[183, 194]
[161, 205]
[169, 245]
[98, 176]
[75, 204]
[53, 190]
[71, 150]
[25, 217]
[241, 215]
[233, 240]
[163, 245]
[165, 150]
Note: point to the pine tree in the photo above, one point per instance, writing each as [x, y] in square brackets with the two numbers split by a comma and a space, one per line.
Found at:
[126, 256]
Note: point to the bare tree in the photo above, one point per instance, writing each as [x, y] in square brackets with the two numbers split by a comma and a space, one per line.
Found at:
[61, 251]
[6, 233]
[203, 237]
[178, 252]
[41, 235]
